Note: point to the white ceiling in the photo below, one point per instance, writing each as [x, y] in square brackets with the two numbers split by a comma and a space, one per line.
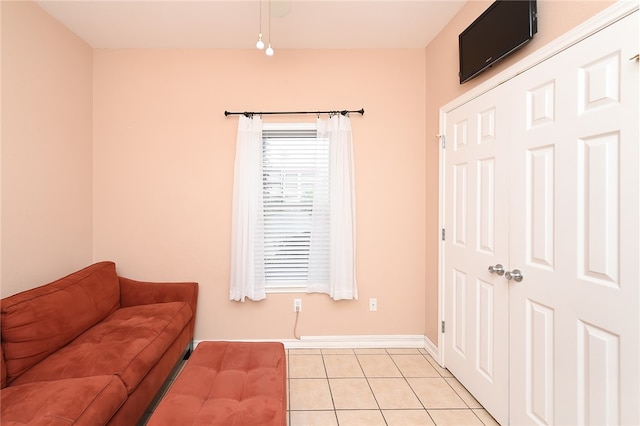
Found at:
[296, 24]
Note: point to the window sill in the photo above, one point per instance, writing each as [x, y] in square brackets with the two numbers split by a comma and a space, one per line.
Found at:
[286, 289]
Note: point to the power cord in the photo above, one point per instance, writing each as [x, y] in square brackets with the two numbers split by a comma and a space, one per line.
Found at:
[295, 324]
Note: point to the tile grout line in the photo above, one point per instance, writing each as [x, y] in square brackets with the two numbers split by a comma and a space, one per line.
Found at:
[326, 374]
[370, 388]
[405, 378]
[473, 410]
[413, 390]
[465, 402]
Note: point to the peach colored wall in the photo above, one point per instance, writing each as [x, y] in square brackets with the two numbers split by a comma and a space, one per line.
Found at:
[46, 149]
[442, 86]
[163, 176]
[163, 158]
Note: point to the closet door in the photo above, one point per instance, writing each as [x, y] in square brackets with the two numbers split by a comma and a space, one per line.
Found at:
[476, 222]
[574, 232]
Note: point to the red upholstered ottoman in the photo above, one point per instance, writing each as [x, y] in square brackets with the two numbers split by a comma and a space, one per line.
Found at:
[228, 383]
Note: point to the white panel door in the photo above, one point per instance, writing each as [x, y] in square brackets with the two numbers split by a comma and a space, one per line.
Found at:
[574, 232]
[542, 175]
[476, 209]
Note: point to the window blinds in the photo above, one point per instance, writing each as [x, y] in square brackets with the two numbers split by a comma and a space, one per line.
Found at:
[295, 172]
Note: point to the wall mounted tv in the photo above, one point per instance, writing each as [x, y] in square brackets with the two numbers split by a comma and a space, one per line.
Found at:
[501, 30]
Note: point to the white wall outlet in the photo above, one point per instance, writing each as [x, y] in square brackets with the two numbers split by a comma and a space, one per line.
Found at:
[297, 305]
[373, 304]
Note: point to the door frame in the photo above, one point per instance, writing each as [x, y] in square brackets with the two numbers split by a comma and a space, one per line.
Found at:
[601, 20]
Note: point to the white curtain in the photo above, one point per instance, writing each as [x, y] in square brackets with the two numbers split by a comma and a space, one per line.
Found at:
[247, 274]
[341, 282]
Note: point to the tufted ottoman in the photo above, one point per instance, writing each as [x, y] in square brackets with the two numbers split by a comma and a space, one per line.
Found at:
[228, 383]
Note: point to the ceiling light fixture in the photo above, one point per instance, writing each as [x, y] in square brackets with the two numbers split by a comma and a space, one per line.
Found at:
[260, 43]
[269, 50]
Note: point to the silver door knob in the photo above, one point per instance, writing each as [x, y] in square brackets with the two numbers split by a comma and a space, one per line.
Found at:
[515, 275]
[498, 269]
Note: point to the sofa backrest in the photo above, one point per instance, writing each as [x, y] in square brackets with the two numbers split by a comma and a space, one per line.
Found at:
[38, 322]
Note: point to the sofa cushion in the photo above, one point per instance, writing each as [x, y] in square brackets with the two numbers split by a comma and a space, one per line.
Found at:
[38, 322]
[88, 401]
[128, 343]
[228, 383]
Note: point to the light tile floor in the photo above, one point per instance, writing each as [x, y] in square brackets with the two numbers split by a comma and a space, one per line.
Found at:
[370, 387]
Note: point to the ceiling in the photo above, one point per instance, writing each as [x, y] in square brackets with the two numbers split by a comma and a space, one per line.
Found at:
[235, 24]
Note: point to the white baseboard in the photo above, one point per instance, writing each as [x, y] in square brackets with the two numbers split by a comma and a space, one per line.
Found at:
[353, 342]
[432, 349]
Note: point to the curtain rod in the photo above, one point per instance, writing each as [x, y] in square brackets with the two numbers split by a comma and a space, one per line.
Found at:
[250, 113]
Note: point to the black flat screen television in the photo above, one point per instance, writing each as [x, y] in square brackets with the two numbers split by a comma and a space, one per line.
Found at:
[501, 29]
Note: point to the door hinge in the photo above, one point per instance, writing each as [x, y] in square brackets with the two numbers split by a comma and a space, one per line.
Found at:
[442, 234]
[443, 139]
[443, 326]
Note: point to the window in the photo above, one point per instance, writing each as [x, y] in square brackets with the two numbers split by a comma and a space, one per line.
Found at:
[295, 214]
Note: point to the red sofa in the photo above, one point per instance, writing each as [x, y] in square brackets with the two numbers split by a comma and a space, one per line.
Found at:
[91, 348]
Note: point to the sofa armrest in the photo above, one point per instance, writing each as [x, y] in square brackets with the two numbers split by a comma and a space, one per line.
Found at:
[133, 293]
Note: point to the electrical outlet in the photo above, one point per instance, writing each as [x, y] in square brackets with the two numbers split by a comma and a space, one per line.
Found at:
[297, 305]
[373, 304]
